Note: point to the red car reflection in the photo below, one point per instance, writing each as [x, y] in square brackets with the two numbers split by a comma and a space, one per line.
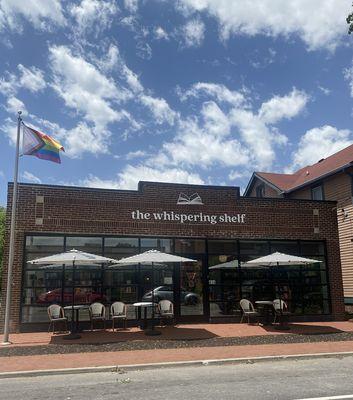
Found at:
[82, 296]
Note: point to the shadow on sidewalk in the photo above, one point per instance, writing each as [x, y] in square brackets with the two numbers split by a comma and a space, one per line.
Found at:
[125, 335]
[302, 329]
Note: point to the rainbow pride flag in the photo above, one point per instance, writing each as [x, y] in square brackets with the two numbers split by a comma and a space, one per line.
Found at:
[40, 145]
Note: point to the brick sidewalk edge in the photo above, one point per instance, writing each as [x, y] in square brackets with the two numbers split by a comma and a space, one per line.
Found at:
[199, 363]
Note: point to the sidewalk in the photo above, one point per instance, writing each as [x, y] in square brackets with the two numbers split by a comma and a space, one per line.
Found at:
[190, 333]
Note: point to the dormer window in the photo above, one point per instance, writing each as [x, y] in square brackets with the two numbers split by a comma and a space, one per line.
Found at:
[317, 193]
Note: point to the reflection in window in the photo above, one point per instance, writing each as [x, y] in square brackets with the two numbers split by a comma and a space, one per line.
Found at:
[88, 244]
[291, 247]
[189, 246]
[45, 244]
[222, 247]
[164, 245]
[120, 247]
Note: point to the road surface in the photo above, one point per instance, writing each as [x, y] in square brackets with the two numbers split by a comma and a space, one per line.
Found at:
[305, 379]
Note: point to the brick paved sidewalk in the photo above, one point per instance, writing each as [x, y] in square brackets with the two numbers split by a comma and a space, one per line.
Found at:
[123, 358]
[182, 332]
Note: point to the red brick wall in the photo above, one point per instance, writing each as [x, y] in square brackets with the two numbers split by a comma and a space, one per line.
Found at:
[91, 211]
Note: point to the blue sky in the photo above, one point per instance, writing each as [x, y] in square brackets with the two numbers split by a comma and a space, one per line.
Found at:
[194, 91]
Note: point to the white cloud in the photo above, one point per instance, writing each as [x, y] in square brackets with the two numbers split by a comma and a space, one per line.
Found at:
[2, 174]
[29, 177]
[31, 78]
[160, 33]
[219, 91]
[279, 107]
[131, 175]
[9, 128]
[135, 154]
[13, 105]
[193, 33]
[94, 14]
[317, 22]
[319, 143]
[324, 90]
[84, 138]
[348, 74]
[228, 132]
[159, 108]
[42, 14]
[85, 89]
[131, 5]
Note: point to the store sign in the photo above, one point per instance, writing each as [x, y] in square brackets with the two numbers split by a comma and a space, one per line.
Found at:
[184, 218]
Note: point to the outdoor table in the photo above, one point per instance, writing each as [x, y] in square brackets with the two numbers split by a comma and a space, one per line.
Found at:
[267, 306]
[144, 305]
[77, 308]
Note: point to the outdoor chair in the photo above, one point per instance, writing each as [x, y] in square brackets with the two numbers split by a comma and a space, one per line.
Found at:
[281, 310]
[97, 313]
[248, 310]
[118, 311]
[56, 314]
[166, 310]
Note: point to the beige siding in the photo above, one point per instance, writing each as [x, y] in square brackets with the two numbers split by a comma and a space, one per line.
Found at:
[337, 188]
[345, 229]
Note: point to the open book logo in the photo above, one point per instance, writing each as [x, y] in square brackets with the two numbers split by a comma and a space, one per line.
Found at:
[185, 199]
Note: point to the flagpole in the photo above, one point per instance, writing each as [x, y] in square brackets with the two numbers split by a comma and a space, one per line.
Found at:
[6, 340]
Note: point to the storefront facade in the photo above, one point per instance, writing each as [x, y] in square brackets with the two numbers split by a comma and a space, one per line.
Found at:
[209, 224]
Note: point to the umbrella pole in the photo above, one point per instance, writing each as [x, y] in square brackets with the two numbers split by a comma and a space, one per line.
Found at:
[281, 326]
[73, 334]
[152, 331]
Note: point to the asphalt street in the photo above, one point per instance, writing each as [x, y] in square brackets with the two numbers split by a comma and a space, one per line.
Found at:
[305, 379]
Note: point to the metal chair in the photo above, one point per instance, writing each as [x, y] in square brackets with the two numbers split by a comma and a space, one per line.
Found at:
[166, 310]
[248, 310]
[97, 313]
[56, 314]
[118, 311]
[281, 309]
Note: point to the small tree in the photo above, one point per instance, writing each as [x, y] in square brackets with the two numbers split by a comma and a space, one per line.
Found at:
[349, 20]
[2, 237]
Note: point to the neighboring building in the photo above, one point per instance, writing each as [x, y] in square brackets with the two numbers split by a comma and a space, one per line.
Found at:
[211, 224]
[330, 178]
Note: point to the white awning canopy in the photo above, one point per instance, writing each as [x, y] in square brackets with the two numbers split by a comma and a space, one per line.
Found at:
[73, 256]
[279, 259]
[154, 256]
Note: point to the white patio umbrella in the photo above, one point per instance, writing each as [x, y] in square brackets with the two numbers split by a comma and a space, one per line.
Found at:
[153, 257]
[72, 258]
[277, 260]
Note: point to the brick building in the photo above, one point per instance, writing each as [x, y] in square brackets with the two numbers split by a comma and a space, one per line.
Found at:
[330, 178]
[210, 224]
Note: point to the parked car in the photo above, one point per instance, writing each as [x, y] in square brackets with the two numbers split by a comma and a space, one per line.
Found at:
[82, 296]
[166, 293]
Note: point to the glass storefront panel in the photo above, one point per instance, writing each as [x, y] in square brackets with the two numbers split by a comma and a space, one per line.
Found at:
[87, 244]
[191, 288]
[190, 246]
[45, 244]
[303, 288]
[286, 247]
[120, 247]
[251, 249]
[222, 247]
[164, 245]
[312, 248]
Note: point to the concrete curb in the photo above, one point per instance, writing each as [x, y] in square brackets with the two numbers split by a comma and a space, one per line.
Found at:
[173, 364]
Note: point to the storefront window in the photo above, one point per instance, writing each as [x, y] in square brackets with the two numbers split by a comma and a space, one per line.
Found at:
[87, 244]
[189, 246]
[291, 248]
[222, 247]
[304, 288]
[164, 245]
[120, 247]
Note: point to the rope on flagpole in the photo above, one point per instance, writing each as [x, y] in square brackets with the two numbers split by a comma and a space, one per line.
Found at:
[6, 340]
